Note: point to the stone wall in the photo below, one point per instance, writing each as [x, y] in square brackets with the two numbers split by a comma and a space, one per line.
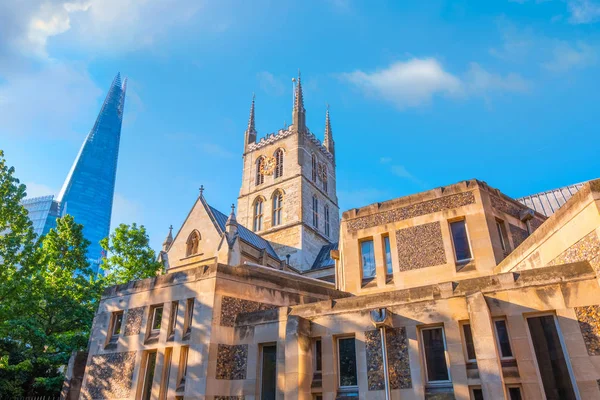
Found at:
[109, 376]
[586, 249]
[133, 321]
[505, 206]
[411, 211]
[232, 361]
[420, 246]
[231, 307]
[589, 323]
[518, 234]
[398, 359]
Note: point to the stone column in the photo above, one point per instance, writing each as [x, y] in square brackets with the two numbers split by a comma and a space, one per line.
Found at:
[298, 371]
[488, 359]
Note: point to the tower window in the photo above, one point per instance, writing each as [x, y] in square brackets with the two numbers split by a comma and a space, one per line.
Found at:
[315, 210]
[260, 178]
[324, 178]
[277, 207]
[278, 163]
[314, 168]
[327, 227]
[258, 214]
[192, 243]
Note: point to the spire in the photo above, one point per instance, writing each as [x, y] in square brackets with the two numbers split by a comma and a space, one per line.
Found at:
[328, 140]
[250, 134]
[168, 239]
[231, 225]
[298, 113]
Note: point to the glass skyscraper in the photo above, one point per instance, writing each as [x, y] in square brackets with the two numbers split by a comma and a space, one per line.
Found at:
[88, 191]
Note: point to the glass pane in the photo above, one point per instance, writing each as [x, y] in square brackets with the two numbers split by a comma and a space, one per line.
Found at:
[477, 394]
[149, 377]
[514, 393]
[174, 307]
[503, 341]
[469, 342]
[460, 240]
[347, 362]
[550, 358]
[388, 255]
[157, 318]
[500, 233]
[118, 322]
[435, 355]
[318, 355]
[368, 259]
[269, 373]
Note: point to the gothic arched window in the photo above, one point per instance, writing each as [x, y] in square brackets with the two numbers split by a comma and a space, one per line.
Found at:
[324, 178]
[258, 214]
[326, 213]
[192, 243]
[278, 163]
[315, 212]
[260, 178]
[277, 207]
[314, 168]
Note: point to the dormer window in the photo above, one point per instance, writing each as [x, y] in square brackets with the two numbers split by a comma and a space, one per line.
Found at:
[279, 163]
[192, 243]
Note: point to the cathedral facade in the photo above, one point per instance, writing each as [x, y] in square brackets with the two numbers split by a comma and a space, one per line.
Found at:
[459, 292]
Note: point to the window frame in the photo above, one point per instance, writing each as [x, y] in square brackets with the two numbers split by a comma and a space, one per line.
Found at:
[261, 366]
[166, 373]
[497, 338]
[314, 167]
[514, 386]
[113, 337]
[327, 220]
[184, 353]
[339, 375]
[277, 204]
[456, 260]
[472, 390]
[257, 220]
[315, 212]
[501, 228]
[191, 248]
[424, 359]
[173, 320]
[279, 157]
[189, 317]
[260, 178]
[151, 332]
[462, 325]
[362, 264]
[316, 355]
[146, 372]
[389, 267]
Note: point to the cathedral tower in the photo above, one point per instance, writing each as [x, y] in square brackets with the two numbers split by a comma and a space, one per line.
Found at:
[288, 193]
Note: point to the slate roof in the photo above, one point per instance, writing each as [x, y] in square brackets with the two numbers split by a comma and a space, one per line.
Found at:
[547, 203]
[324, 259]
[246, 235]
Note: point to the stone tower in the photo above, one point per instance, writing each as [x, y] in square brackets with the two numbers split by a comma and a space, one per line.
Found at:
[288, 193]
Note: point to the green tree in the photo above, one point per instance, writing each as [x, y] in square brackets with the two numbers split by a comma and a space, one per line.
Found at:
[129, 255]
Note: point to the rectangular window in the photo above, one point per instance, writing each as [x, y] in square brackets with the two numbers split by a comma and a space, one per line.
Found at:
[469, 345]
[318, 355]
[172, 320]
[368, 259]
[164, 382]
[268, 379]
[327, 226]
[183, 362]
[514, 393]
[347, 362]
[389, 270]
[189, 316]
[434, 349]
[155, 321]
[115, 326]
[460, 239]
[502, 338]
[551, 359]
[150, 365]
[502, 234]
[476, 393]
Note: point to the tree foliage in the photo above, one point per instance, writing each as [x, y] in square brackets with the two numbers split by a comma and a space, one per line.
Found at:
[48, 292]
[130, 256]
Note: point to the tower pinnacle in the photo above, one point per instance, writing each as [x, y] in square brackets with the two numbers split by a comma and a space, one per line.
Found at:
[298, 113]
[328, 140]
[250, 134]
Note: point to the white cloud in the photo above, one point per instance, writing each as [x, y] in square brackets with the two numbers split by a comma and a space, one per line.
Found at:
[48, 101]
[566, 56]
[270, 84]
[407, 84]
[583, 11]
[37, 189]
[415, 82]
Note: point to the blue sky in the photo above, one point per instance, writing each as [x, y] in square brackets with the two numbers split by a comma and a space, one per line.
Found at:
[422, 94]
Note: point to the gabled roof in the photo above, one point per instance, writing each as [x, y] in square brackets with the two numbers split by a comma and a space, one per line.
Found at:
[324, 259]
[246, 235]
[547, 203]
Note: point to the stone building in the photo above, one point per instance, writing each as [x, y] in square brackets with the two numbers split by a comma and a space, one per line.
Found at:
[459, 292]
